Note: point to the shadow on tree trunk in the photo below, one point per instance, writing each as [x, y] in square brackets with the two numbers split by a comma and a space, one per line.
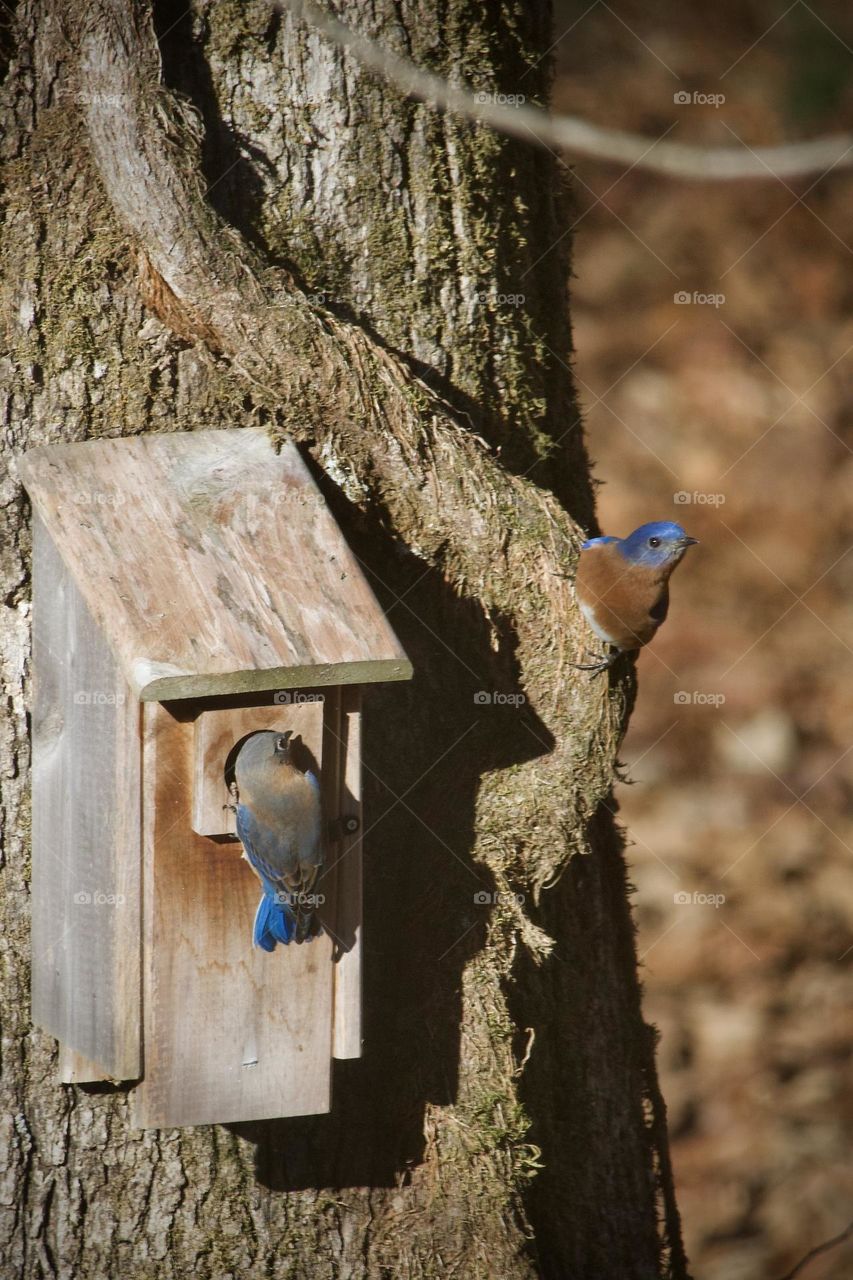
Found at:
[427, 903]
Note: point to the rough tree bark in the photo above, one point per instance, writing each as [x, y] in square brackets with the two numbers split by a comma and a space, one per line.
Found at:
[213, 218]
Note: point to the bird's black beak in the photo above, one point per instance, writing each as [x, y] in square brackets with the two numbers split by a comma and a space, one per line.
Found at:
[689, 542]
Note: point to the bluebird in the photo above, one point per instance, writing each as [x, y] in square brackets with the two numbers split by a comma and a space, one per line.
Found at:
[278, 821]
[622, 586]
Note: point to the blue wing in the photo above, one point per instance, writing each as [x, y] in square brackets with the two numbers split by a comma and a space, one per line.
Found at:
[280, 916]
[598, 542]
[262, 846]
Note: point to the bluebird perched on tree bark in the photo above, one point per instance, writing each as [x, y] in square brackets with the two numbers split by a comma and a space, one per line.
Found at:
[278, 821]
[622, 586]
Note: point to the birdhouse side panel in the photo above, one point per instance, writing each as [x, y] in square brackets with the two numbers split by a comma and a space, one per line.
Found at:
[343, 730]
[86, 832]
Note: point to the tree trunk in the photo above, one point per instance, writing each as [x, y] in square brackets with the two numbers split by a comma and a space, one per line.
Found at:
[215, 218]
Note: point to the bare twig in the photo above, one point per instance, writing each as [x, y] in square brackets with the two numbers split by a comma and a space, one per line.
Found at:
[570, 133]
[818, 1249]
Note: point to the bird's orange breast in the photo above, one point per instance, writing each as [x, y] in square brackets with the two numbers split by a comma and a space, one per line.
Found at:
[624, 603]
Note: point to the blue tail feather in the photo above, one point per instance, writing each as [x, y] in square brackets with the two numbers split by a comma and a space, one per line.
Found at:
[274, 922]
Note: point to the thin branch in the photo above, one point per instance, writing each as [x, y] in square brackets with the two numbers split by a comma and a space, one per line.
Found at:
[819, 1249]
[570, 133]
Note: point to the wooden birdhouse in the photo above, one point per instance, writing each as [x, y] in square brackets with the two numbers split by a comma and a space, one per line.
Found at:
[188, 591]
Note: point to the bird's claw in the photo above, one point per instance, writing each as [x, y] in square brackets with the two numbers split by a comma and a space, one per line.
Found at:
[603, 661]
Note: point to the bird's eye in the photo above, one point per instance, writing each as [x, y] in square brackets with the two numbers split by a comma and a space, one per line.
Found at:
[281, 744]
[654, 542]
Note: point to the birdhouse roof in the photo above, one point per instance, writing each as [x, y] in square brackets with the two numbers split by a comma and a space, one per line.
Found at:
[211, 563]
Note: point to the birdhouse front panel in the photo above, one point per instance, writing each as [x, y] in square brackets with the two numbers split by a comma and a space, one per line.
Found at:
[232, 1032]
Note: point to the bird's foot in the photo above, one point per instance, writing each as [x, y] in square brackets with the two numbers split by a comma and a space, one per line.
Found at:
[603, 661]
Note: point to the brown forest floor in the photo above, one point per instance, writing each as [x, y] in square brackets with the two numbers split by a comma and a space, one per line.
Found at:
[747, 797]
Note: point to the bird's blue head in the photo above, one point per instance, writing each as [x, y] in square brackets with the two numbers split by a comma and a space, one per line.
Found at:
[657, 545]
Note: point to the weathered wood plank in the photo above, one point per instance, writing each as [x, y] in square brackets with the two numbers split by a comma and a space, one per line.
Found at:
[75, 1069]
[216, 733]
[231, 1033]
[86, 833]
[211, 563]
[348, 926]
